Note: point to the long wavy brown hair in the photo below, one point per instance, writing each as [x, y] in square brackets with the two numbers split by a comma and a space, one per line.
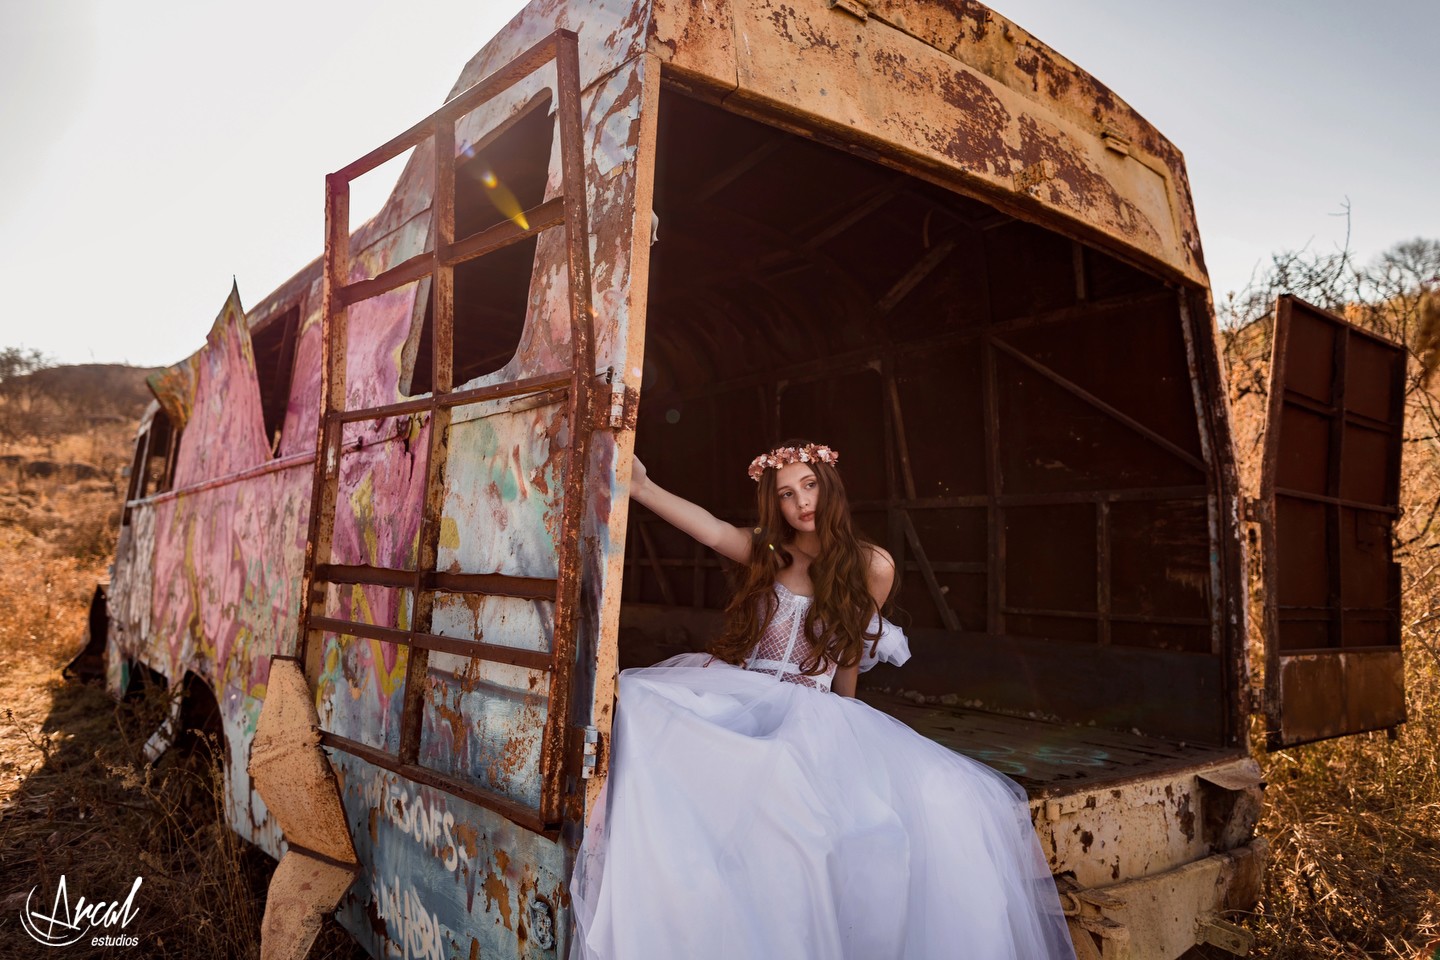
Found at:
[838, 617]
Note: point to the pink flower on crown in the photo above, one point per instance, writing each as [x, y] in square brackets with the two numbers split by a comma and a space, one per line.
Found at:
[780, 456]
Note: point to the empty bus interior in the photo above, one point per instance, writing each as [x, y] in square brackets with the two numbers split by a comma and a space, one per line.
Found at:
[1016, 423]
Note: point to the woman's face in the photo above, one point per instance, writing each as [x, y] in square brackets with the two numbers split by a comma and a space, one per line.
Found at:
[799, 491]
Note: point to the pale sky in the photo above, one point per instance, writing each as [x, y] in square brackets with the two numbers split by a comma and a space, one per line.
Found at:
[153, 150]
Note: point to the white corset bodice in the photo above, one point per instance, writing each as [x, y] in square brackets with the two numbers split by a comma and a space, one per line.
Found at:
[782, 647]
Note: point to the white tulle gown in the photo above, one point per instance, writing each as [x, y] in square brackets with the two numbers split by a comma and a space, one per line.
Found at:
[750, 813]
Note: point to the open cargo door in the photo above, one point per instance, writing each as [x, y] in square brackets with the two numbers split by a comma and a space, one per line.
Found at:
[1329, 497]
[542, 423]
[468, 431]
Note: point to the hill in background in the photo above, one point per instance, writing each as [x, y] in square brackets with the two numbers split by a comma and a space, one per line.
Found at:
[66, 438]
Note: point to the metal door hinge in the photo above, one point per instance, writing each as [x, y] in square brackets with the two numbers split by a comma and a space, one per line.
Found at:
[586, 743]
[615, 406]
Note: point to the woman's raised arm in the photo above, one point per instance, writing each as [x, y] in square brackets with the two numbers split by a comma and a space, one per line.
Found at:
[726, 539]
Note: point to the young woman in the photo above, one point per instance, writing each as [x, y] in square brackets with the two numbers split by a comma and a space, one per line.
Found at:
[750, 812]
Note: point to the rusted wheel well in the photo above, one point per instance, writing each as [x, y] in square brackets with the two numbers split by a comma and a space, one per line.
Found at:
[200, 715]
[190, 721]
[141, 681]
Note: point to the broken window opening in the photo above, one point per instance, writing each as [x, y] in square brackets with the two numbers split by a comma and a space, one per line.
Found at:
[496, 180]
[274, 349]
[153, 470]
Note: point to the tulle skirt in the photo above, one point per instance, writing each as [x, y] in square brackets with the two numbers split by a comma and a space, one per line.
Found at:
[745, 817]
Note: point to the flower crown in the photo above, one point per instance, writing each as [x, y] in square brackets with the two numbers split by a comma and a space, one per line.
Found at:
[781, 456]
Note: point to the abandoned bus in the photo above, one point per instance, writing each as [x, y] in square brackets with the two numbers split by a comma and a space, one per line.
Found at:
[380, 519]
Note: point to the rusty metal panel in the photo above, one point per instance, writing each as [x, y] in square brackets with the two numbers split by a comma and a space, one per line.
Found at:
[696, 41]
[1164, 915]
[613, 32]
[226, 568]
[916, 100]
[206, 574]
[395, 572]
[1147, 825]
[303, 889]
[1003, 50]
[1329, 496]
[216, 394]
[1142, 862]
[291, 773]
[503, 489]
[484, 724]
[381, 491]
[444, 877]
[445, 874]
[361, 689]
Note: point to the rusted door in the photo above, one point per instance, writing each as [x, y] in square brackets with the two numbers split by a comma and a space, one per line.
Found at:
[1329, 496]
[450, 674]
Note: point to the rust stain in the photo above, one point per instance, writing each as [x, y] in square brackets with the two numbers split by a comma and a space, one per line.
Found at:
[515, 755]
[1186, 816]
[790, 24]
[496, 890]
[980, 138]
[451, 715]
[469, 838]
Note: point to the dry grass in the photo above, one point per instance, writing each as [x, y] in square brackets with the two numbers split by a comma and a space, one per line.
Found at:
[1354, 831]
[76, 797]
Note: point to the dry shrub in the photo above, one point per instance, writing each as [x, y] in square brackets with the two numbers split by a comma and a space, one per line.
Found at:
[44, 597]
[1354, 823]
[1354, 828]
[89, 529]
[76, 519]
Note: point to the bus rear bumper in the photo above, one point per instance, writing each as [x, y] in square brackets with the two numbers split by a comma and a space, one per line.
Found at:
[1160, 917]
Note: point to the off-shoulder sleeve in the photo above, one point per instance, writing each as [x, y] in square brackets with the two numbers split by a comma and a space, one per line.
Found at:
[893, 647]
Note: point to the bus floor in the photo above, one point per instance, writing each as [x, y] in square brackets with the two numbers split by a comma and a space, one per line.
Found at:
[1045, 757]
